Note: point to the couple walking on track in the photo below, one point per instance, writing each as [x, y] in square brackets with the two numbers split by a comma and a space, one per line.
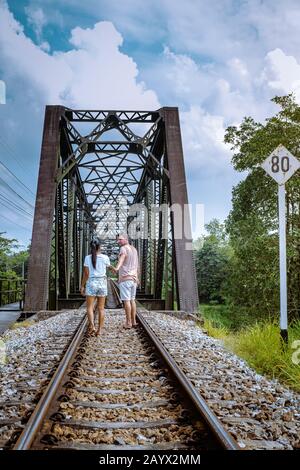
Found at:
[94, 281]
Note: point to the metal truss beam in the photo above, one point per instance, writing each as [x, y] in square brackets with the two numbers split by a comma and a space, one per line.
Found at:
[83, 175]
[39, 261]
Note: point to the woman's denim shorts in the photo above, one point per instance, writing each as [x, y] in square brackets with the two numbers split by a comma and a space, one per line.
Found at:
[96, 287]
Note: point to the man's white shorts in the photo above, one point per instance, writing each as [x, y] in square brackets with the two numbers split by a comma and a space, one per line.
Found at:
[127, 290]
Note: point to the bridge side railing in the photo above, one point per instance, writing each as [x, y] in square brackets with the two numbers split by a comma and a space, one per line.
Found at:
[11, 291]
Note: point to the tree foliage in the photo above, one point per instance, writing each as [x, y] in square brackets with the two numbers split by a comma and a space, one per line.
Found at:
[11, 261]
[13, 266]
[252, 224]
[212, 261]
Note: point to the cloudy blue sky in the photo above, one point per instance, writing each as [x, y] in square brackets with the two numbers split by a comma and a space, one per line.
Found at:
[217, 60]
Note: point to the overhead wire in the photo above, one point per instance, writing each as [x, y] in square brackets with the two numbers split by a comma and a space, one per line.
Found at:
[15, 223]
[14, 176]
[15, 206]
[6, 185]
[12, 205]
[13, 154]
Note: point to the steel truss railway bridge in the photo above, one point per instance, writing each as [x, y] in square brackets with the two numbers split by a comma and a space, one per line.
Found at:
[106, 172]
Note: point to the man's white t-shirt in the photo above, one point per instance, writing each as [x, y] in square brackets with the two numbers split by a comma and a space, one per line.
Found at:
[101, 264]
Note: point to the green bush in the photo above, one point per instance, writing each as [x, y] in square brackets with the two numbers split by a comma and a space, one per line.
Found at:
[219, 332]
[261, 346]
[257, 342]
[227, 316]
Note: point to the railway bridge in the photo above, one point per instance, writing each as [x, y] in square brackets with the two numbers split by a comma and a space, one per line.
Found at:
[162, 385]
[107, 172]
[103, 173]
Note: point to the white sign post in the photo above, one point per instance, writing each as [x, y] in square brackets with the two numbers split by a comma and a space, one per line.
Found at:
[281, 165]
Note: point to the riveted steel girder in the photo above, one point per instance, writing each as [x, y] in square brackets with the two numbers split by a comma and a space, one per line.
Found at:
[98, 163]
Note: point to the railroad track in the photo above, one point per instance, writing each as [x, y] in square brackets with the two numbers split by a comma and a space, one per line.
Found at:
[121, 391]
[16, 409]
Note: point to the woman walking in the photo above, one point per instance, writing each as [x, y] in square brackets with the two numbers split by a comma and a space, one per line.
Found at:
[94, 284]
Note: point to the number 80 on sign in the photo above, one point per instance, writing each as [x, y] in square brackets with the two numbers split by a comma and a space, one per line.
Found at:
[281, 165]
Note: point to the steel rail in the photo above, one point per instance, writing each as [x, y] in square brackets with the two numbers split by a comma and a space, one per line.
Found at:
[35, 422]
[36, 419]
[115, 291]
[200, 404]
[208, 415]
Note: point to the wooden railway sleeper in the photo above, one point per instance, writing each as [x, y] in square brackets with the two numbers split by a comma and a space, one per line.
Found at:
[57, 417]
[69, 384]
[49, 439]
[64, 397]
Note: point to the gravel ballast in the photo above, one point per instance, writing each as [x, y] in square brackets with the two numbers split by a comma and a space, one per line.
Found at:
[259, 413]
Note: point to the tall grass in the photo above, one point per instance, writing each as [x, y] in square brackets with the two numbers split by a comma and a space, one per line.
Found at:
[226, 316]
[220, 332]
[259, 344]
[22, 324]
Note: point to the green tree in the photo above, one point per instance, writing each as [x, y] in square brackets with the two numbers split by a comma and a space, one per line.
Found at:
[6, 249]
[212, 262]
[252, 224]
[12, 262]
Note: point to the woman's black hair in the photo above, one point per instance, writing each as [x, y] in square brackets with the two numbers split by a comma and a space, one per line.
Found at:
[95, 245]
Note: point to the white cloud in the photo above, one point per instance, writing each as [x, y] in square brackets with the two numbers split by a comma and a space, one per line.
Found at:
[282, 72]
[36, 18]
[218, 30]
[217, 61]
[203, 140]
[239, 67]
[226, 90]
[93, 74]
[183, 70]
[45, 46]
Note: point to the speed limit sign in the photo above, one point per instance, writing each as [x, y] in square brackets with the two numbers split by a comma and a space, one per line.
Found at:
[281, 165]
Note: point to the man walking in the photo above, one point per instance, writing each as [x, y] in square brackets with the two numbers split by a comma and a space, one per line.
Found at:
[127, 268]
